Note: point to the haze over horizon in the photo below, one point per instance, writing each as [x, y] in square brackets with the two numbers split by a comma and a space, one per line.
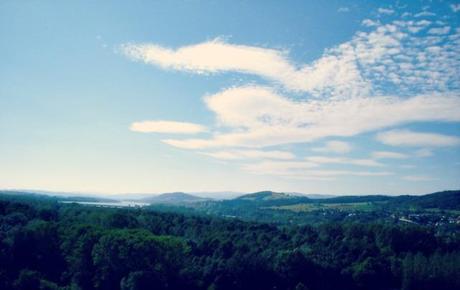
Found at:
[352, 97]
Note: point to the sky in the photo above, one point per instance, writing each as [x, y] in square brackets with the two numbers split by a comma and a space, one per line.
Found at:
[325, 97]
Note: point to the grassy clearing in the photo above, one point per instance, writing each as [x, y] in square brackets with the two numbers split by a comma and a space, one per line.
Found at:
[308, 207]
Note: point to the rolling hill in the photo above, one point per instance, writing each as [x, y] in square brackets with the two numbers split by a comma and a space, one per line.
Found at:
[173, 198]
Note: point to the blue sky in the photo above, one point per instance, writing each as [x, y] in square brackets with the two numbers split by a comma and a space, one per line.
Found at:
[334, 97]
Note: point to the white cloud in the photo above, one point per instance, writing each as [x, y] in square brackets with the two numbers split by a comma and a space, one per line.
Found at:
[407, 166]
[348, 172]
[388, 155]
[278, 167]
[455, 7]
[343, 10]
[250, 154]
[342, 160]
[424, 13]
[418, 178]
[332, 174]
[439, 30]
[386, 11]
[416, 139]
[260, 117]
[303, 170]
[425, 152]
[370, 22]
[334, 147]
[336, 71]
[395, 73]
[392, 58]
[167, 127]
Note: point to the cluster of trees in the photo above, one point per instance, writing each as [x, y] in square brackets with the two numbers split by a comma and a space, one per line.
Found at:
[438, 209]
[45, 244]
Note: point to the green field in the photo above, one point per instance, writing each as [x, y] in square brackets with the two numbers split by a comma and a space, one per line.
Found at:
[309, 207]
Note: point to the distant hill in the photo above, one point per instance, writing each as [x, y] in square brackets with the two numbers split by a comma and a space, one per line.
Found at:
[217, 194]
[449, 200]
[356, 198]
[270, 195]
[173, 198]
[56, 195]
[264, 199]
[443, 200]
[267, 195]
[317, 196]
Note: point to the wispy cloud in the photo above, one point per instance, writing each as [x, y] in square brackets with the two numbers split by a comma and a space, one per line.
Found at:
[397, 71]
[333, 72]
[424, 14]
[455, 7]
[370, 22]
[260, 117]
[424, 152]
[278, 167]
[343, 10]
[167, 127]
[416, 139]
[304, 170]
[334, 147]
[333, 174]
[418, 178]
[391, 58]
[439, 30]
[343, 160]
[250, 154]
[388, 155]
[386, 11]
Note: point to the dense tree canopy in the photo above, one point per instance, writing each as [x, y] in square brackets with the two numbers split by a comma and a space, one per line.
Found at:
[45, 244]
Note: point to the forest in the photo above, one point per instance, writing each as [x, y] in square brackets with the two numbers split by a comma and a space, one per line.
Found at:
[47, 244]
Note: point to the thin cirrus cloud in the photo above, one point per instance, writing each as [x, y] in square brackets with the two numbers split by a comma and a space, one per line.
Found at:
[304, 170]
[250, 154]
[214, 56]
[390, 58]
[416, 139]
[260, 117]
[388, 155]
[278, 167]
[333, 174]
[395, 72]
[439, 30]
[424, 152]
[455, 7]
[167, 127]
[343, 160]
[418, 178]
[370, 22]
[334, 147]
[386, 11]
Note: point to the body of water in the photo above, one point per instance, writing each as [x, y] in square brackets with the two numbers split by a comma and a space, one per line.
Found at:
[110, 204]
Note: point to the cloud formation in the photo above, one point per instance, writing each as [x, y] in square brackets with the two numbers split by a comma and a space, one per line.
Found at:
[342, 160]
[394, 72]
[250, 154]
[304, 170]
[334, 147]
[167, 127]
[455, 7]
[331, 72]
[418, 178]
[261, 117]
[416, 139]
[386, 11]
[395, 57]
[388, 155]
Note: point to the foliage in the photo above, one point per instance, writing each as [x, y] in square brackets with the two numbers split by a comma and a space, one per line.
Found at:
[45, 244]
